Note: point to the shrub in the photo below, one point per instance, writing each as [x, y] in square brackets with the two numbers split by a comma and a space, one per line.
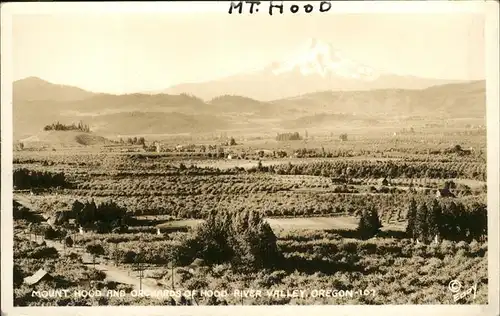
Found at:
[50, 233]
[18, 276]
[44, 253]
[369, 223]
[95, 250]
[68, 241]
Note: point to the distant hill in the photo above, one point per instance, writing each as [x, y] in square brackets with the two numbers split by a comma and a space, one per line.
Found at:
[36, 89]
[37, 103]
[43, 103]
[450, 100]
[157, 123]
[63, 139]
[233, 103]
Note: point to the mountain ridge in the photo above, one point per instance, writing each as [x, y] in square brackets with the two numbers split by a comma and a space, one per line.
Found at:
[140, 113]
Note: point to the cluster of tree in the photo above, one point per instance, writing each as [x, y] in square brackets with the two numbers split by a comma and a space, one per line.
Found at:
[105, 217]
[452, 221]
[242, 238]
[288, 136]
[134, 141]
[27, 179]
[230, 142]
[369, 223]
[73, 127]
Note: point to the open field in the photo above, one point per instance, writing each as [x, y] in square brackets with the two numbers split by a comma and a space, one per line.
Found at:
[318, 223]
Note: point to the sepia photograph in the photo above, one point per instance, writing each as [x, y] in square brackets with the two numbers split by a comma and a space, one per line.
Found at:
[249, 153]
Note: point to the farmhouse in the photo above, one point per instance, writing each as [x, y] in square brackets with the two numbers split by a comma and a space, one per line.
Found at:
[37, 277]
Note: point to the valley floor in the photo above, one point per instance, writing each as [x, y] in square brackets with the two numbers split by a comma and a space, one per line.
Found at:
[313, 216]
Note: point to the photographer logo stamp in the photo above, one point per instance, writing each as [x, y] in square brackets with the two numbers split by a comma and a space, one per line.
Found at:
[455, 287]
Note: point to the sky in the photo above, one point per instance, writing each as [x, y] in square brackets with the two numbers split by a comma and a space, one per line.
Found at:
[126, 53]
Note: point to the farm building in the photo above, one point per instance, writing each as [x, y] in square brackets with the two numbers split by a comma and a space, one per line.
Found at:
[444, 193]
[37, 277]
[383, 181]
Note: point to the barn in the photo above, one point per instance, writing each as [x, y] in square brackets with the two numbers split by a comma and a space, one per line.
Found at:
[37, 277]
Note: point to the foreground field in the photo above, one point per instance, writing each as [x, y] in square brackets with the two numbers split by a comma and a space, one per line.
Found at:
[143, 213]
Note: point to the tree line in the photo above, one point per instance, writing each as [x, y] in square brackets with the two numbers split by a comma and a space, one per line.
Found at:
[452, 221]
[288, 136]
[133, 141]
[73, 127]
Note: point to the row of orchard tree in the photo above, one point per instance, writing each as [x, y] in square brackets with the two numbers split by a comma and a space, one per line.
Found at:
[451, 221]
[27, 179]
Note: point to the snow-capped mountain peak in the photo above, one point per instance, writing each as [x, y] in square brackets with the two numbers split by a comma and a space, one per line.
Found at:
[320, 58]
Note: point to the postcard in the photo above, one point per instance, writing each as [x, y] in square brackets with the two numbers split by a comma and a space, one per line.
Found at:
[265, 157]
